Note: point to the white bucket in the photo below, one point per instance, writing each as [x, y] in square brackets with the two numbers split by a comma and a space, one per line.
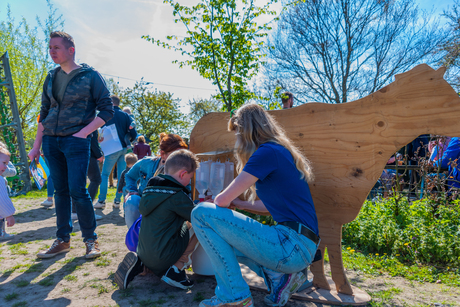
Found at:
[200, 262]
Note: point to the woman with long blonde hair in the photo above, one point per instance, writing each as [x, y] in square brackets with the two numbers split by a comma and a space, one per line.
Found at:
[272, 168]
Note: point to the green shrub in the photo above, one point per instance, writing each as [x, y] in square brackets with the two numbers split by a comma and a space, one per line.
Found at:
[417, 232]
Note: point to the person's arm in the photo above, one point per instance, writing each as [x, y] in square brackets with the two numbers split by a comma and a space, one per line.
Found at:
[132, 176]
[6, 205]
[240, 184]
[34, 153]
[90, 128]
[10, 170]
[258, 207]
[451, 153]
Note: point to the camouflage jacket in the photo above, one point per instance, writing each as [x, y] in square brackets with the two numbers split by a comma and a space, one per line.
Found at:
[85, 93]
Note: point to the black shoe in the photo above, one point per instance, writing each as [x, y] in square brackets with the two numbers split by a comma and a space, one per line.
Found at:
[130, 267]
[176, 278]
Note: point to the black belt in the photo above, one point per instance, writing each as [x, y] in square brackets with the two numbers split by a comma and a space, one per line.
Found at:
[299, 228]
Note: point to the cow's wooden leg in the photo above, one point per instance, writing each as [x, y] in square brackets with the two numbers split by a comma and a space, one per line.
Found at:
[317, 268]
[334, 249]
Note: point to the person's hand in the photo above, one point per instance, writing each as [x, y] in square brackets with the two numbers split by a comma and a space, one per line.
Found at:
[101, 159]
[10, 221]
[34, 154]
[80, 135]
[208, 198]
[130, 127]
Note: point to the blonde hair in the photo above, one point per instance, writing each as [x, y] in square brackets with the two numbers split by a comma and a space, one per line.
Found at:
[4, 150]
[254, 127]
[141, 139]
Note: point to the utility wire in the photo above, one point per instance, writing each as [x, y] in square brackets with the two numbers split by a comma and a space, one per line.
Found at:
[149, 82]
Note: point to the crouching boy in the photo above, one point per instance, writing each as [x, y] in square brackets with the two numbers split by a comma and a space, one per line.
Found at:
[166, 241]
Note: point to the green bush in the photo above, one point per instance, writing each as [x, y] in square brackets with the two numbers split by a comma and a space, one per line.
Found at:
[417, 232]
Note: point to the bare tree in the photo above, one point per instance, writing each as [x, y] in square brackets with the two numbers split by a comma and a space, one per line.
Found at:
[450, 49]
[340, 50]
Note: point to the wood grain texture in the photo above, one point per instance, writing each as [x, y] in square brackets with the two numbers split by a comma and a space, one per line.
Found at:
[349, 145]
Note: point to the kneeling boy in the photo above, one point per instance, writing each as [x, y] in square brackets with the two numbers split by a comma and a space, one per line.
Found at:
[165, 244]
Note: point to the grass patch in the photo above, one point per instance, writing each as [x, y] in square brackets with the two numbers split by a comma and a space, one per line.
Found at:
[18, 249]
[67, 260]
[65, 290]
[376, 265]
[384, 296]
[20, 304]
[198, 297]
[71, 278]
[103, 261]
[22, 283]
[126, 292]
[11, 296]
[147, 303]
[46, 282]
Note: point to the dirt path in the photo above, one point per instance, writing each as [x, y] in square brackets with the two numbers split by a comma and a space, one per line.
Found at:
[71, 280]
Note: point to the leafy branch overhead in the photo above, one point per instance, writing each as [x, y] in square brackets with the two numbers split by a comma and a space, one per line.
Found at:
[224, 43]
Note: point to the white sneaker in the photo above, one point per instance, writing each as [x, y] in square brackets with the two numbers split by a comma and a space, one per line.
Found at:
[47, 203]
[74, 216]
[116, 204]
[99, 205]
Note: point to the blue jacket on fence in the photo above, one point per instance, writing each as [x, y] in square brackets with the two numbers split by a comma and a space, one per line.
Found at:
[450, 159]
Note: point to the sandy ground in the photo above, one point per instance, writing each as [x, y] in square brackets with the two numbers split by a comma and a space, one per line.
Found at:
[71, 280]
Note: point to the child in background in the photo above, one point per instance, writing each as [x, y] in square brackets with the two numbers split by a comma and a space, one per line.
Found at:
[130, 160]
[166, 240]
[6, 205]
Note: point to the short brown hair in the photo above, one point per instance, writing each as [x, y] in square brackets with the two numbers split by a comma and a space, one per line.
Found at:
[171, 142]
[130, 158]
[286, 96]
[115, 100]
[4, 150]
[181, 159]
[67, 39]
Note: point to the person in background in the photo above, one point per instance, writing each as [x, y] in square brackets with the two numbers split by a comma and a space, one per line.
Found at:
[71, 96]
[141, 149]
[130, 160]
[287, 99]
[121, 122]
[6, 205]
[127, 110]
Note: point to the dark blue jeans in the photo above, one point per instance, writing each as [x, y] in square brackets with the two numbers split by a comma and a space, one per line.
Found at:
[68, 159]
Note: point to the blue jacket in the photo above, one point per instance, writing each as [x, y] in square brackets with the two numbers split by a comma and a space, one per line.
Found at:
[450, 158]
[139, 175]
[122, 122]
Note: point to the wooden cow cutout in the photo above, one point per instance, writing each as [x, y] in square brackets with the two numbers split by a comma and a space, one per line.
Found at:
[349, 145]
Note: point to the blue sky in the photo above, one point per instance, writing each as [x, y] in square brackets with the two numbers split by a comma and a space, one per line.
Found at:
[108, 34]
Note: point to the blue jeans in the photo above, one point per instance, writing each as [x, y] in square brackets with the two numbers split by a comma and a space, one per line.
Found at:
[68, 159]
[229, 237]
[131, 208]
[109, 162]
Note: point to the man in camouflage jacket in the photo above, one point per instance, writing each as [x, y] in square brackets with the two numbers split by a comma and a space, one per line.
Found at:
[71, 95]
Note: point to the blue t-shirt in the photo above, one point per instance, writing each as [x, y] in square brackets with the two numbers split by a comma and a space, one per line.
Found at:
[284, 194]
